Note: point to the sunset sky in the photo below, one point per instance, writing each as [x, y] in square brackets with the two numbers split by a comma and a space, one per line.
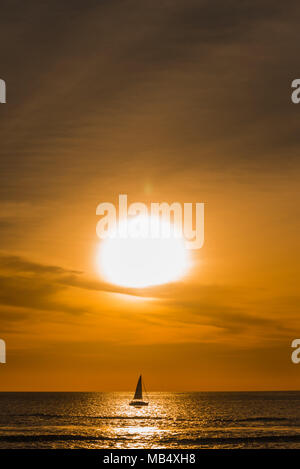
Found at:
[183, 100]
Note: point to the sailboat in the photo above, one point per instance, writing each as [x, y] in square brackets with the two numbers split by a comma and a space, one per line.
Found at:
[137, 400]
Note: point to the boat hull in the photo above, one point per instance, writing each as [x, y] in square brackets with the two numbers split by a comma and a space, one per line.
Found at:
[138, 403]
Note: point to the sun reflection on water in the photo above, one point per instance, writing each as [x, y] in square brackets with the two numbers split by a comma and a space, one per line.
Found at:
[172, 420]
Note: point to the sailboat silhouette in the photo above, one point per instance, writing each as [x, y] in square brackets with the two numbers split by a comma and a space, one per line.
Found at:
[137, 400]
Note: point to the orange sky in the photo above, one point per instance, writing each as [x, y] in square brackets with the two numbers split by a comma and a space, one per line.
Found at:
[176, 102]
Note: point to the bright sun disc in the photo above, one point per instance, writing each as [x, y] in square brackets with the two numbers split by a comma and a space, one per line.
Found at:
[141, 261]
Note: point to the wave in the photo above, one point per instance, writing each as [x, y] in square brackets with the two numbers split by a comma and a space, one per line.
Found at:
[257, 419]
[207, 441]
[234, 440]
[41, 438]
[264, 419]
[104, 417]
[145, 417]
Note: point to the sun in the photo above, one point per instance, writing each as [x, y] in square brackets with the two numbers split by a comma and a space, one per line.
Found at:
[140, 259]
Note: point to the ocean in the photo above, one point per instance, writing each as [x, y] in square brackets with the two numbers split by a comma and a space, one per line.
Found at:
[172, 420]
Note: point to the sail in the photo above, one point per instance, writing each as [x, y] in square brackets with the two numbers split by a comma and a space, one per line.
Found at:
[138, 391]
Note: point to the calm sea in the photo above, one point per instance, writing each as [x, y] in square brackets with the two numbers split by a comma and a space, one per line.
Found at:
[172, 420]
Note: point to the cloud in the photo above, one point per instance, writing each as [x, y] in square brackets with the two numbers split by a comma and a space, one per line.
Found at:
[226, 311]
[26, 284]
[127, 82]
[19, 264]
[37, 286]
